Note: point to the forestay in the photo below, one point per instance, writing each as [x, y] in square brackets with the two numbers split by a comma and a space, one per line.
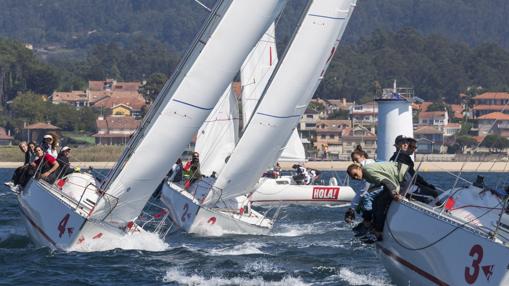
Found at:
[184, 103]
[218, 135]
[286, 97]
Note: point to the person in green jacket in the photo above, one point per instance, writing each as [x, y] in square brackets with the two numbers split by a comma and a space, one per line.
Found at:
[392, 176]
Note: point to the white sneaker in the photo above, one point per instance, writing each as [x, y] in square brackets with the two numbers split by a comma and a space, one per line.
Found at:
[9, 184]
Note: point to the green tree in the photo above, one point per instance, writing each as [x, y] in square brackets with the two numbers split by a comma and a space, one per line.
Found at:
[153, 86]
[495, 142]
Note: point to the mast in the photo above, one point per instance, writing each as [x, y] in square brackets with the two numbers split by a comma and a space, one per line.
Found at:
[183, 105]
[285, 99]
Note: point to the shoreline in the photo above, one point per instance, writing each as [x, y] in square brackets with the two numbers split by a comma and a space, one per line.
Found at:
[337, 166]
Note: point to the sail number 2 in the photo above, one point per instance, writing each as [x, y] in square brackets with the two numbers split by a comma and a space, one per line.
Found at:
[472, 272]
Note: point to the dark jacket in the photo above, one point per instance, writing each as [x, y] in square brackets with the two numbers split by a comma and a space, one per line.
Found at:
[404, 158]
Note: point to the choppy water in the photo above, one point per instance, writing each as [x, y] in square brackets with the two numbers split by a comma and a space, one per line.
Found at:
[308, 246]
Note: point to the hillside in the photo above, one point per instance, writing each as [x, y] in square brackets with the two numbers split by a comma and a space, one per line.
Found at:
[81, 24]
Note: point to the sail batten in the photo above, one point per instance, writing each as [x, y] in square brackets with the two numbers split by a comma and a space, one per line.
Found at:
[184, 104]
[296, 79]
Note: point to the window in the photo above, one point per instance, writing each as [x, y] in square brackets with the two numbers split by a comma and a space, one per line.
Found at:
[323, 136]
[309, 115]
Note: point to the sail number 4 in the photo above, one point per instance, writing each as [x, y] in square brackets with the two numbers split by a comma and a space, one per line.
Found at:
[472, 271]
[61, 226]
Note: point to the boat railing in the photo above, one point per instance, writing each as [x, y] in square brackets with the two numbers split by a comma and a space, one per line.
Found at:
[155, 218]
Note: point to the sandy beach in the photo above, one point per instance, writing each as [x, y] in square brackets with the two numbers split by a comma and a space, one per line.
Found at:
[340, 166]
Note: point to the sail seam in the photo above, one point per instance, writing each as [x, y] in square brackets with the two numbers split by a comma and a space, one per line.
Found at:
[192, 105]
[327, 17]
[280, 117]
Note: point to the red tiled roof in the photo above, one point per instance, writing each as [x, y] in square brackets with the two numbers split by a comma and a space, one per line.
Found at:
[424, 105]
[3, 134]
[427, 130]
[42, 125]
[495, 116]
[431, 114]
[117, 122]
[493, 95]
[98, 85]
[488, 107]
[453, 125]
[133, 100]
[75, 95]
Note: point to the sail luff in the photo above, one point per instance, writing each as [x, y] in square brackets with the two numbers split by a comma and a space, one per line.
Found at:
[186, 102]
[285, 99]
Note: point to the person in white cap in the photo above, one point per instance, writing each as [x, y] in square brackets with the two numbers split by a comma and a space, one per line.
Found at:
[64, 168]
[49, 145]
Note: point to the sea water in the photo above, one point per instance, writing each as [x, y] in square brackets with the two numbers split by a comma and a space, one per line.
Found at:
[308, 246]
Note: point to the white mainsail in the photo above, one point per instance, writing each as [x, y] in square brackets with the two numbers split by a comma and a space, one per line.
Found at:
[183, 105]
[286, 97]
[218, 135]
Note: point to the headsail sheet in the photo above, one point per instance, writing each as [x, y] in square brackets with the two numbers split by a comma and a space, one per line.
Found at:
[183, 105]
[286, 97]
[218, 135]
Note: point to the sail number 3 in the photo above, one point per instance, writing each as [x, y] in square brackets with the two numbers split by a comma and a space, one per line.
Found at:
[472, 272]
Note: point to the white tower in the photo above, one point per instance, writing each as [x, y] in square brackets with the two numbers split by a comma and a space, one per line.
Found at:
[394, 118]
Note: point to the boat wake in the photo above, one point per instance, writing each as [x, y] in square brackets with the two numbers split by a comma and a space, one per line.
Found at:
[146, 241]
[175, 275]
[292, 230]
[353, 278]
[13, 238]
[241, 249]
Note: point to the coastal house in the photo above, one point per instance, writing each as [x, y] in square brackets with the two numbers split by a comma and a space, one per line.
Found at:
[115, 130]
[364, 114]
[490, 102]
[328, 135]
[494, 123]
[307, 124]
[35, 132]
[122, 103]
[76, 98]
[358, 135]
[429, 139]
[5, 137]
[438, 119]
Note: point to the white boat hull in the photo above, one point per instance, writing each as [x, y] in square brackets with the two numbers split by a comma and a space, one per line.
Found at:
[464, 257]
[66, 226]
[187, 213]
[282, 191]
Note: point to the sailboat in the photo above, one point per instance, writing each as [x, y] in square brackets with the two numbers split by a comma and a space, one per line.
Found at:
[216, 206]
[108, 210]
[218, 136]
[462, 236]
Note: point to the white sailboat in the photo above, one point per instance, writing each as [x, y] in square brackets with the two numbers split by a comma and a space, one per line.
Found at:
[107, 211]
[285, 99]
[462, 237]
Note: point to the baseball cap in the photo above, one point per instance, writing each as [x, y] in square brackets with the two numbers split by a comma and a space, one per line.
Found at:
[65, 148]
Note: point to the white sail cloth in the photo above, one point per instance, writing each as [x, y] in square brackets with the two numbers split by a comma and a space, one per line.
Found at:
[184, 104]
[294, 150]
[218, 135]
[286, 97]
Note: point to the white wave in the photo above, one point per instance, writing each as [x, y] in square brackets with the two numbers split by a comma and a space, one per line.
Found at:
[262, 266]
[241, 249]
[139, 241]
[361, 279]
[292, 230]
[5, 234]
[175, 275]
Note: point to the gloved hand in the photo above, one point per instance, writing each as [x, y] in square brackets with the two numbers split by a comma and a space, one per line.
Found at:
[349, 215]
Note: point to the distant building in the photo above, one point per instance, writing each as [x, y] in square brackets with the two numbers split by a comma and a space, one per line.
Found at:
[494, 123]
[436, 118]
[490, 102]
[351, 137]
[429, 139]
[5, 137]
[364, 114]
[35, 132]
[125, 103]
[328, 135]
[76, 98]
[115, 130]
[307, 124]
